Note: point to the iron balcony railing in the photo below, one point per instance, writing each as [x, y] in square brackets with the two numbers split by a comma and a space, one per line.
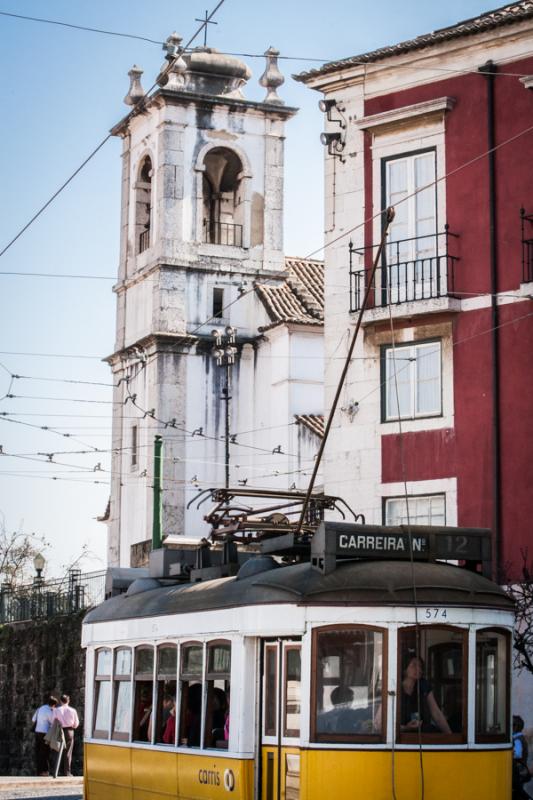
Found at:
[43, 599]
[419, 268]
[527, 246]
[222, 233]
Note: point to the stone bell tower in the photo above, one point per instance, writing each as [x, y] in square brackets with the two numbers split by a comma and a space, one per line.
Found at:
[201, 221]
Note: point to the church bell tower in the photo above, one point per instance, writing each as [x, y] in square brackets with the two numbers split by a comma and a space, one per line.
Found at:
[201, 221]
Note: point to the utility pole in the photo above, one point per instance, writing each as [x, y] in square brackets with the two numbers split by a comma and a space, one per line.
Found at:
[157, 510]
[224, 354]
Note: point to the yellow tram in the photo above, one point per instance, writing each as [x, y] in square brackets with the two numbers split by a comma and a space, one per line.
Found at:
[353, 663]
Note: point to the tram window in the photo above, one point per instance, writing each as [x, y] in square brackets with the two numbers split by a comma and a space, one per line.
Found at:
[122, 694]
[348, 684]
[191, 676]
[492, 685]
[291, 719]
[144, 686]
[271, 689]
[102, 694]
[216, 729]
[432, 684]
[165, 726]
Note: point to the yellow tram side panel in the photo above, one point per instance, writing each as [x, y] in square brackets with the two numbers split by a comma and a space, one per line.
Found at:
[129, 773]
[368, 775]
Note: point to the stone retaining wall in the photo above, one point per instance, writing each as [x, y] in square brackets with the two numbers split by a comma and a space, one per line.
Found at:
[37, 658]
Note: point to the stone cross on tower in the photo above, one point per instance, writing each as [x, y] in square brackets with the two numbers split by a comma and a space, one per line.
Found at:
[206, 22]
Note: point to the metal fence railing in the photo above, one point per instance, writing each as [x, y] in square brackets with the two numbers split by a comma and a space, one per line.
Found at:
[50, 598]
[419, 268]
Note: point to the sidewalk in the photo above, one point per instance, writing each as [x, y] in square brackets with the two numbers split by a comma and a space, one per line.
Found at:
[30, 782]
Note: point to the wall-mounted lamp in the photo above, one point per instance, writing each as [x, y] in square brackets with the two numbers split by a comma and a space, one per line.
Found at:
[327, 106]
[335, 143]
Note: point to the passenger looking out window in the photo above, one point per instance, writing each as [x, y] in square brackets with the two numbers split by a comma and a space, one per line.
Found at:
[144, 684]
[166, 692]
[191, 675]
[431, 684]
[420, 710]
[218, 688]
[349, 684]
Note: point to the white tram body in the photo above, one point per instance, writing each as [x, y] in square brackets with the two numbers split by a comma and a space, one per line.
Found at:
[289, 681]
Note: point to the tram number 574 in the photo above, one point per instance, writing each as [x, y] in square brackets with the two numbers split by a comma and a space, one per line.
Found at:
[436, 613]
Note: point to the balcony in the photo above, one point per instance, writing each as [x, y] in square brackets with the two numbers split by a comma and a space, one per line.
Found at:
[222, 233]
[527, 246]
[417, 269]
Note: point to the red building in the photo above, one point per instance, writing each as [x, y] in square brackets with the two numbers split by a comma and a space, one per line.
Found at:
[436, 424]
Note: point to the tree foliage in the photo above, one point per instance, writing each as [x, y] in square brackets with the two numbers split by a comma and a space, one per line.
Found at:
[17, 551]
[522, 593]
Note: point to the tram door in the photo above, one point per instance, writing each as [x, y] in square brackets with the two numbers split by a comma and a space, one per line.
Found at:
[280, 720]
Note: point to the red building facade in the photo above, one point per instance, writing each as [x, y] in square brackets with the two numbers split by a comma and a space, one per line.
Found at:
[436, 425]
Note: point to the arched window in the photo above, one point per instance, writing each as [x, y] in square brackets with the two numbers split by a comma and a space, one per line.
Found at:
[223, 200]
[143, 205]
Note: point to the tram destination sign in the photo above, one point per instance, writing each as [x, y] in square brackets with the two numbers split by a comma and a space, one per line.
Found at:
[341, 540]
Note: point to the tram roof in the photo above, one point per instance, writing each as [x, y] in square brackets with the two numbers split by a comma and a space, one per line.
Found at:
[358, 583]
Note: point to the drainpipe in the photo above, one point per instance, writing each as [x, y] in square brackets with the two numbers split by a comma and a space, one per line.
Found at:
[489, 70]
[156, 524]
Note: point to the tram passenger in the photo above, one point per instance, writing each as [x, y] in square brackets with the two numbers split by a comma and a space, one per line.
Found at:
[415, 689]
[220, 712]
[342, 718]
[192, 717]
[169, 731]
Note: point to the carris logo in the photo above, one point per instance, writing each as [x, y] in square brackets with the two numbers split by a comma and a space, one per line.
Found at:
[229, 780]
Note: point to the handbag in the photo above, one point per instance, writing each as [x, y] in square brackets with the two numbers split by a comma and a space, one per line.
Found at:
[33, 726]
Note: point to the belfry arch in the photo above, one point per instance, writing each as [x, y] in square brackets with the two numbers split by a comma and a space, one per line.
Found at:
[223, 196]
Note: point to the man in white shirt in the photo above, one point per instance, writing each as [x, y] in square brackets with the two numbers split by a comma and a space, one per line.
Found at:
[69, 720]
[42, 720]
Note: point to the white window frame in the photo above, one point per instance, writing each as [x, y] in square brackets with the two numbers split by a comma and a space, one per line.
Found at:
[390, 386]
[414, 500]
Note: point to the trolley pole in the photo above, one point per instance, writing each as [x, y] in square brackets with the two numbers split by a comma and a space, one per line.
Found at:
[158, 511]
[224, 354]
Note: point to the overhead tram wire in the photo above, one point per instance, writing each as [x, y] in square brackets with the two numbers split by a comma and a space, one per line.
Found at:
[81, 27]
[431, 184]
[411, 555]
[137, 108]
[339, 60]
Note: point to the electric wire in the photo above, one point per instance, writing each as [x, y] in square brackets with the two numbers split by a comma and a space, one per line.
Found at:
[342, 61]
[81, 27]
[137, 108]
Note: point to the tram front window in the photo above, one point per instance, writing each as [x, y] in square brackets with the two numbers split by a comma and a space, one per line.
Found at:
[165, 719]
[216, 729]
[122, 694]
[348, 684]
[492, 685]
[191, 674]
[431, 684]
[144, 686]
[102, 694]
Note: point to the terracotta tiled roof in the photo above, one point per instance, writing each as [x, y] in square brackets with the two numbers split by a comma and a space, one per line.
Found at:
[313, 423]
[299, 298]
[506, 15]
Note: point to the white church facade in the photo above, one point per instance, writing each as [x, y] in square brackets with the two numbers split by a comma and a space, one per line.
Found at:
[203, 281]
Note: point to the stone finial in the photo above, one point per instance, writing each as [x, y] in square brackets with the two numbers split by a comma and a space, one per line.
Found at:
[136, 91]
[272, 77]
[172, 76]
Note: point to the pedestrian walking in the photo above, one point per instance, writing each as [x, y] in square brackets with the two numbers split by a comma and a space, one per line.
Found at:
[42, 720]
[68, 718]
[521, 773]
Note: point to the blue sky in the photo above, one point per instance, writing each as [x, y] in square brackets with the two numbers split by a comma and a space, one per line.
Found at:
[61, 92]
